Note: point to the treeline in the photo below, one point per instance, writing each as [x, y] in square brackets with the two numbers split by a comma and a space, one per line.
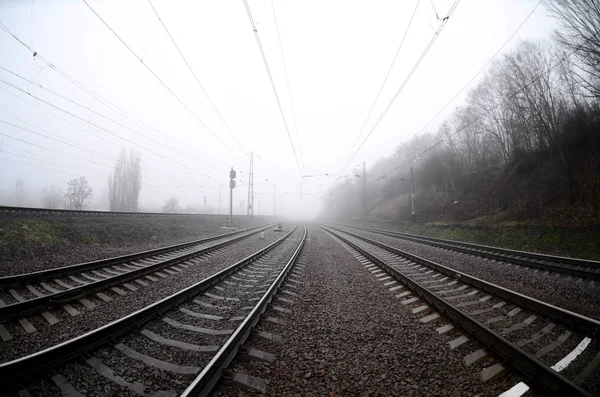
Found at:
[537, 110]
[77, 196]
[124, 187]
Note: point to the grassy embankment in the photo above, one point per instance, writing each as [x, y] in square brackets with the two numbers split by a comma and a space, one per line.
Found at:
[28, 241]
[551, 240]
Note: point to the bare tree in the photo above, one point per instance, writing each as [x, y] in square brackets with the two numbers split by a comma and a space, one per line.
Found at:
[125, 183]
[580, 34]
[78, 193]
[537, 101]
[19, 191]
[172, 205]
[52, 196]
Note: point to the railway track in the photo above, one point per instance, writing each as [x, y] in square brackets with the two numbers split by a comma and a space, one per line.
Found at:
[51, 211]
[585, 269]
[176, 346]
[51, 292]
[555, 350]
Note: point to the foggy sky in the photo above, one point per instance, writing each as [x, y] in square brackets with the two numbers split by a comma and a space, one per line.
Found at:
[337, 54]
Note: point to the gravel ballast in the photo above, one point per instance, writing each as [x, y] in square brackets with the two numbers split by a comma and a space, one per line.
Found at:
[121, 305]
[123, 357]
[525, 328]
[348, 335]
[556, 289]
[31, 242]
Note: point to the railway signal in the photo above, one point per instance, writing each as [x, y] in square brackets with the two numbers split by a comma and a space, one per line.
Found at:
[232, 175]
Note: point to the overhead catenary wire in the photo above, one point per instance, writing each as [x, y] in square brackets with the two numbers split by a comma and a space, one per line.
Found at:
[62, 141]
[48, 162]
[264, 58]
[465, 87]
[35, 166]
[472, 122]
[107, 103]
[78, 128]
[159, 80]
[287, 80]
[106, 118]
[63, 154]
[110, 105]
[406, 80]
[144, 184]
[480, 70]
[385, 79]
[99, 127]
[196, 77]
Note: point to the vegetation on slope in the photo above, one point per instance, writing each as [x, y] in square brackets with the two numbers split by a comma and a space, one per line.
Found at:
[523, 148]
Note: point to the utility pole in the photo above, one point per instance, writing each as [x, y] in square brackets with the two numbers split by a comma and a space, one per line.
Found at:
[251, 187]
[412, 178]
[231, 187]
[364, 175]
[220, 186]
[274, 199]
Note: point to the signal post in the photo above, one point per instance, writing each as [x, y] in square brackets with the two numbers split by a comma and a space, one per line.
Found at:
[232, 175]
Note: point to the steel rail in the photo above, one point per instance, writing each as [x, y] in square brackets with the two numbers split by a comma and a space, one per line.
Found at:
[210, 375]
[559, 264]
[571, 319]
[33, 277]
[31, 365]
[539, 374]
[19, 309]
[4, 208]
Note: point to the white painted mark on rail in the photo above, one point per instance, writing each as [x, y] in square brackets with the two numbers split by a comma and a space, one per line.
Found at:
[516, 391]
[521, 388]
[568, 359]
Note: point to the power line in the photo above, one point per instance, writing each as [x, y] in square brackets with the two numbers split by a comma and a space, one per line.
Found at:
[55, 116]
[51, 138]
[434, 9]
[159, 80]
[145, 185]
[64, 142]
[110, 105]
[35, 166]
[480, 70]
[99, 127]
[473, 121]
[45, 161]
[264, 57]
[82, 87]
[64, 121]
[406, 80]
[88, 91]
[385, 79]
[287, 81]
[195, 77]
[67, 155]
[79, 85]
[105, 117]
